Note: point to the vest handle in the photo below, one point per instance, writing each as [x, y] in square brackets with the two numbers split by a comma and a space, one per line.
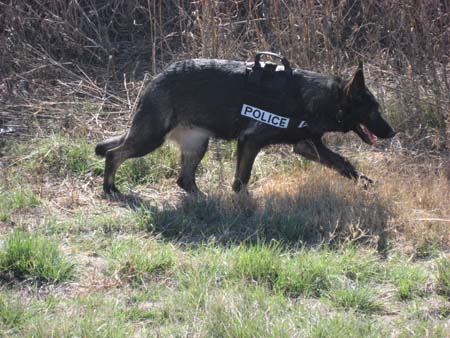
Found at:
[284, 61]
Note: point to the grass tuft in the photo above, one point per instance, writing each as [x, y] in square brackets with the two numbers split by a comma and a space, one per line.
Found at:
[25, 256]
[359, 299]
[257, 262]
[308, 273]
[409, 280]
[61, 155]
[138, 260]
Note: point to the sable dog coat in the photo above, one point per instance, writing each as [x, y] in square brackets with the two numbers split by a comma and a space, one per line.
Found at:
[257, 104]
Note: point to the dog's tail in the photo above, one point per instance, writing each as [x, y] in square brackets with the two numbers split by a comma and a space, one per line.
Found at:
[102, 147]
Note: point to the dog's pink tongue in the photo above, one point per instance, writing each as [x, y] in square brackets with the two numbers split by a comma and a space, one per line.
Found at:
[371, 135]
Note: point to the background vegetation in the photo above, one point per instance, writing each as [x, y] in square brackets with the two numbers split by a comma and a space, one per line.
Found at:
[69, 51]
[307, 254]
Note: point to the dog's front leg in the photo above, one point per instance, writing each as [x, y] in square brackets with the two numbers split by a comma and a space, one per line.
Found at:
[315, 150]
[247, 150]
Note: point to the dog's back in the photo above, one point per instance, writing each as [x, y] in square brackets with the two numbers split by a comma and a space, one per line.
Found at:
[205, 93]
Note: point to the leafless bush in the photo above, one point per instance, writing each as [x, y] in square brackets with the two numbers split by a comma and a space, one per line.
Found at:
[57, 52]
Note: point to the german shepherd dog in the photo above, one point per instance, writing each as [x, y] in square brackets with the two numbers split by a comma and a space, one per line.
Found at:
[196, 99]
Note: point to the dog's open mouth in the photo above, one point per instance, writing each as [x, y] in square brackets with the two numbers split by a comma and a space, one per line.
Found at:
[365, 134]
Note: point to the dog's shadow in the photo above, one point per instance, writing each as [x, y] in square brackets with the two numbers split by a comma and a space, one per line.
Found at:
[130, 200]
[328, 215]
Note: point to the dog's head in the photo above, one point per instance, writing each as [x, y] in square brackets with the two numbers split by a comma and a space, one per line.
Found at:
[362, 111]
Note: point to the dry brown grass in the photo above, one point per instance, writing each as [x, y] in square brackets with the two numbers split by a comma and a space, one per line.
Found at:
[410, 201]
[421, 200]
[334, 209]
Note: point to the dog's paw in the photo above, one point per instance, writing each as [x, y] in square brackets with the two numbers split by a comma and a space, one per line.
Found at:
[197, 194]
[111, 192]
[244, 202]
[365, 181]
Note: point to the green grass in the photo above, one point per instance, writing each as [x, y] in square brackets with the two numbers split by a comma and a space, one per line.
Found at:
[12, 312]
[257, 262]
[88, 316]
[359, 265]
[228, 291]
[27, 256]
[424, 328]
[306, 273]
[346, 326]
[314, 272]
[59, 155]
[443, 276]
[359, 299]
[246, 312]
[62, 155]
[12, 200]
[409, 280]
[221, 266]
[138, 260]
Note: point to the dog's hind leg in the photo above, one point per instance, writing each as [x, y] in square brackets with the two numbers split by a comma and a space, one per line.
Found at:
[102, 147]
[315, 150]
[147, 132]
[130, 148]
[193, 143]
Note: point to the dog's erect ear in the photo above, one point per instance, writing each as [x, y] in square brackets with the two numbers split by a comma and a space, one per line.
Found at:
[356, 83]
